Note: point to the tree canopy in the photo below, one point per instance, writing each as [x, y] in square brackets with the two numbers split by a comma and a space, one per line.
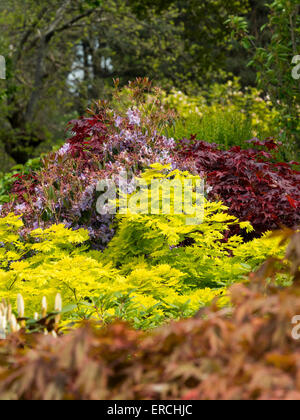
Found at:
[61, 55]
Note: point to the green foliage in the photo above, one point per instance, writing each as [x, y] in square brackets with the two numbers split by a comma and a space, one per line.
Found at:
[197, 251]
[156, 268]
[56, 260]
[217, 355]
[273, 63]
[224, 114]
[223, 127]
[206, 36]
[65, 54]
[38, 42]
[6, 182]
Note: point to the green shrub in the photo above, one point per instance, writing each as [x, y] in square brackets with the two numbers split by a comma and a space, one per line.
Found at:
[247, 352]
[198, 251]
[58, 261]
[224, 114]
[156, 268]
[224, 127]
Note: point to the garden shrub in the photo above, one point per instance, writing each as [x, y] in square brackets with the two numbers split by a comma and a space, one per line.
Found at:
[155, 269]
[57, 260]
[150, 269]
[224, 114]
[222, 126]
[14, 178]
[127, 135]
[247, 352]
[199, 251]
[252, 183]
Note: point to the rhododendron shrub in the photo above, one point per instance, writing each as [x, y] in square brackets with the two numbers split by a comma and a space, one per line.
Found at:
[252, 183]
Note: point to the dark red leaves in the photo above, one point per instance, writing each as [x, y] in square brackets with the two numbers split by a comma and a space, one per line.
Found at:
[250, 182]
[89, 135]
[292, 202]
[269, 143]
[23, 185]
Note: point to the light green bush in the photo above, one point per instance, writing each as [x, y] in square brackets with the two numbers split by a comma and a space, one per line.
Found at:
[224, 114]
[156, 268]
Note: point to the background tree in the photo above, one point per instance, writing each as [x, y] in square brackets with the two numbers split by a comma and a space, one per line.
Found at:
[273, 62]
[125, 46]
[62, 54]
[37, 40]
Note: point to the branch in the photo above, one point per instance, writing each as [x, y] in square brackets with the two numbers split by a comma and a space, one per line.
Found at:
[44, 39]
[48, 33]
[74, 20]
[28, 33]
[58, 18]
